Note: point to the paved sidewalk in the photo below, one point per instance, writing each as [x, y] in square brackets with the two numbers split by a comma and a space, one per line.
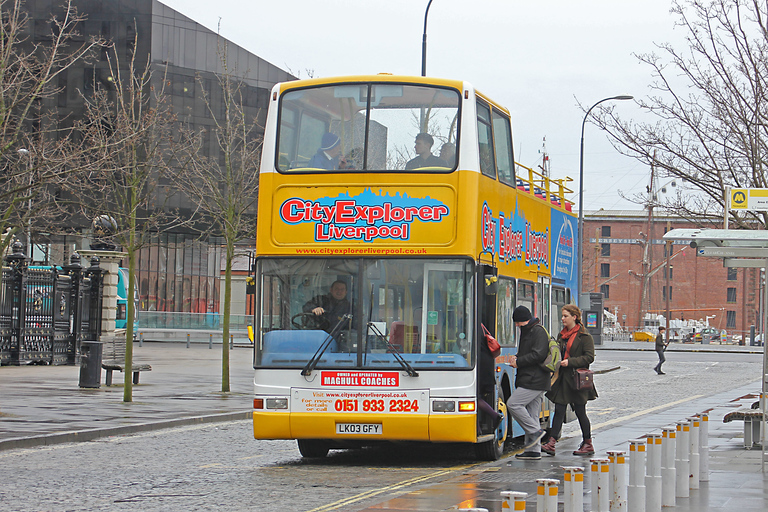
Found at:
[45, 405]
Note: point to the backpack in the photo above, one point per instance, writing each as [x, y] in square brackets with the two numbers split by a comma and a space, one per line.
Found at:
[552, 362]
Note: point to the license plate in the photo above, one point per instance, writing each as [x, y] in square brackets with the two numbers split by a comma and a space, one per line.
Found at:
[359, 428]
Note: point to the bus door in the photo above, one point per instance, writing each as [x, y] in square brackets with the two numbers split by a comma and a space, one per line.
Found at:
[444, 328]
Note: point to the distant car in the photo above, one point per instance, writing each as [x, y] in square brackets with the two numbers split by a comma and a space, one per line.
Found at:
[707, 335]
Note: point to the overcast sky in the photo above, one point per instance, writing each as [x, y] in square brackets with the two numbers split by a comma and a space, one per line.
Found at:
[536, 58]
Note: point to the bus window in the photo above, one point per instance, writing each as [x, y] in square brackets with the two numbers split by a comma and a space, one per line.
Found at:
[419, 308]
[375, 124]
[485, 140]
[502, 143]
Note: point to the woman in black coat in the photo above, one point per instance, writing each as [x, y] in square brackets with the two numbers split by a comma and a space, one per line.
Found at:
[578, 351]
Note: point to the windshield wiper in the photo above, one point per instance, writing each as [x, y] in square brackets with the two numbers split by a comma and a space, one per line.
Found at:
[324, 346]
[396, 353]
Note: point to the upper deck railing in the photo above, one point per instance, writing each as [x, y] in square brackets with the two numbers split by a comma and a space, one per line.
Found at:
[543, 187]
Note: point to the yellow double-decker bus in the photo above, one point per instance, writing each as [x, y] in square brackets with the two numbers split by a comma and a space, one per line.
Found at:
[393, 224]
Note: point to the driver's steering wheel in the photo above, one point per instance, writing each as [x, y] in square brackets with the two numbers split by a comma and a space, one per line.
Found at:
[308, 321]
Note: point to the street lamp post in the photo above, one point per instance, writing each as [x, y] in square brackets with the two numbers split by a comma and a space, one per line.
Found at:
[424, 42]
[581, 184]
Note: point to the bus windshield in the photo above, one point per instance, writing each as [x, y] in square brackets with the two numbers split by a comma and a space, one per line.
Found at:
[368, 126]
[366, 311]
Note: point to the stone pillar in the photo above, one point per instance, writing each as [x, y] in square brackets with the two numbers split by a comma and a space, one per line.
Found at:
[109, 261]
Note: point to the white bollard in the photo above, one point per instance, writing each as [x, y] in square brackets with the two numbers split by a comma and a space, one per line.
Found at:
[682, 464]
[514, 500]
[668, 470]
[600, 484]
[573, 489]
[653, 480]
[618, 470]
[704, 447]
[546, 495]
[636, 487]
[693, 455]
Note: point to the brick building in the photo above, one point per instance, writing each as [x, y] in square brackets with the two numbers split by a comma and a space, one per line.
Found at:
[614, 250]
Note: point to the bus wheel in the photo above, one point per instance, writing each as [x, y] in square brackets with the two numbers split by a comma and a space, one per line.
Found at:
[494, 449]
[313, 448]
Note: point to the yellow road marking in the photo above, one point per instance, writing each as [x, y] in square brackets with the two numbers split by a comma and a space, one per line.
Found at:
[393, 487]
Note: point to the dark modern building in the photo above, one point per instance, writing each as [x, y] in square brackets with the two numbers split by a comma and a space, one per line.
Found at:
[180, 272]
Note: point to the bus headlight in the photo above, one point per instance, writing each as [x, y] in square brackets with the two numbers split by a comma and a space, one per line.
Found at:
[277, 403]
[443, 406]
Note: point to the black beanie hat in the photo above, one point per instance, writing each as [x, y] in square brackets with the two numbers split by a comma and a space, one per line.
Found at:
[521, 314]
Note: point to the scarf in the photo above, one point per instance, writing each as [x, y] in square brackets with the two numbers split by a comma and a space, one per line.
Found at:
[569, 336]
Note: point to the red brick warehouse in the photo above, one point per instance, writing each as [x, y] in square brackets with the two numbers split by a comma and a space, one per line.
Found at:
[614, 263]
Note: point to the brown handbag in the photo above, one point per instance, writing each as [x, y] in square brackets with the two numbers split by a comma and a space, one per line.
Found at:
[583, 378]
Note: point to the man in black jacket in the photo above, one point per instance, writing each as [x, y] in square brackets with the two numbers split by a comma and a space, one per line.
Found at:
[531, 381]
[330, 308]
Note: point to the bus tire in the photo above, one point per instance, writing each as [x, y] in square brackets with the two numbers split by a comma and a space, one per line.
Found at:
[313, 448]
[494, 449]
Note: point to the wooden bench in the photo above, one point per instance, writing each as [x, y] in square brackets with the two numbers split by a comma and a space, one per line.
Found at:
[113, 358]
[136, 369]
[752, 418]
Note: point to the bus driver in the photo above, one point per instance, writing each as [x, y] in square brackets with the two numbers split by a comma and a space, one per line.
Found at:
[331, 307]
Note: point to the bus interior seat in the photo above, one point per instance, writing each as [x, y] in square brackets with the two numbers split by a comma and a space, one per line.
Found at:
[296, 341]
[401, 336]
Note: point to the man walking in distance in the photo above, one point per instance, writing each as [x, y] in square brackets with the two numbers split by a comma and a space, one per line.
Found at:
[660, 348]
[531, 381]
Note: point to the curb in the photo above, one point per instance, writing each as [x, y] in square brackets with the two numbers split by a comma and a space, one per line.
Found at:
[90, 435]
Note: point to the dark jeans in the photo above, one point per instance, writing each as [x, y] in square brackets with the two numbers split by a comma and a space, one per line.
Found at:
[661, 361]
[581, 415]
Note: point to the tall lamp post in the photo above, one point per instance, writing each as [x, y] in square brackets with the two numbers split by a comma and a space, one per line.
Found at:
[581, 184]
[424, 42]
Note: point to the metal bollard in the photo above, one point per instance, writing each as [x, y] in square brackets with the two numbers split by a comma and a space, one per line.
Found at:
[187, 340]
[546, 495]
[653, 479]
[704, 447]
[231, 341]
[618, 471]
[514, 500]
[573, 489]
[141, 339]
[693, 455]
[682, 464]
[636, 487]
[668, 470]
[210, 341]
[599, 484]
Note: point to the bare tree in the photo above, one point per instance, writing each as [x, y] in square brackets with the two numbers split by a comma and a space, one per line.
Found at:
[225, 186]
[35, 154]
[127, 130]
[707, 117]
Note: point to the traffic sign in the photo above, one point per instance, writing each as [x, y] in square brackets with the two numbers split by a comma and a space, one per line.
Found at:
[748, 199]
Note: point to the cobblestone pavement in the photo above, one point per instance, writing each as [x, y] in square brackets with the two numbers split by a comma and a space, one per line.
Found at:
[221, 467]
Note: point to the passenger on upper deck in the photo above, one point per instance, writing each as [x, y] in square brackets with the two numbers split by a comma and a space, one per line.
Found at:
[330, 308]
[327, 156]
[448, 153]
[424, 156]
